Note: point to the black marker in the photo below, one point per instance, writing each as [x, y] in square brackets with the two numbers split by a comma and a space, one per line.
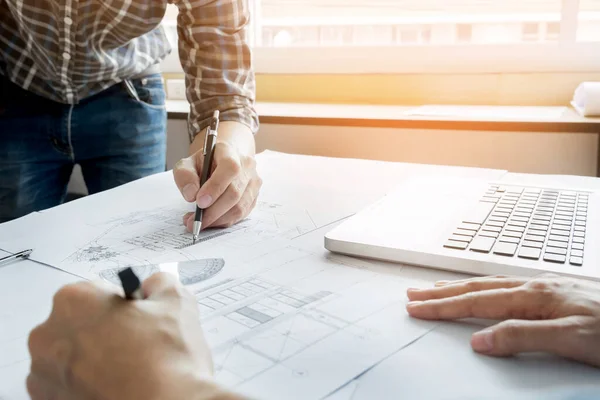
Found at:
[131, 284]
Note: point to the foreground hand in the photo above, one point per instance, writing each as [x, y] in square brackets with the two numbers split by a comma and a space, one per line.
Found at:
[550, 314]
[96, 345]
[232, 190]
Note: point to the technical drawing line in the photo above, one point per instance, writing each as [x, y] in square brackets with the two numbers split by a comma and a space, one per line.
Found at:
[321, 227]
[415, 340]
[201, 240]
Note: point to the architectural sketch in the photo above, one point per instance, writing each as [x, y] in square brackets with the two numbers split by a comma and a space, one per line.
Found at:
[293, 323]
[147, 237]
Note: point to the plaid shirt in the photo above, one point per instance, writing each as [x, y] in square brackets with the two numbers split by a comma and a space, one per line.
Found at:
[68, 50]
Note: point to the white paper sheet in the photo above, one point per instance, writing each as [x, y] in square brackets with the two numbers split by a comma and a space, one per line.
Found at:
[26, 291]
[284, 318]
[464, 374]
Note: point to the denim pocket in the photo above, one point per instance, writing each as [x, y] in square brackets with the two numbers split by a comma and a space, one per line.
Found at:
[148, 91]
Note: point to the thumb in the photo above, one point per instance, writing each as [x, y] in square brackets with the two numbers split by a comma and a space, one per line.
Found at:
[163, 285]
[186, 177]
[512, 337]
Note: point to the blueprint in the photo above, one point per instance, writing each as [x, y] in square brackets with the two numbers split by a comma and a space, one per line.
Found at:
[305, 325]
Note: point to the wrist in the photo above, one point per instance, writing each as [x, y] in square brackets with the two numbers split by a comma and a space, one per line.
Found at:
[232, 133]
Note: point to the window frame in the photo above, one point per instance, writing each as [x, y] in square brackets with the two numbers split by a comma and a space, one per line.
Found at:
[565, 55]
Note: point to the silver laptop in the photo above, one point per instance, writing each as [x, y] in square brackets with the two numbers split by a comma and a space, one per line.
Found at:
[478, 227]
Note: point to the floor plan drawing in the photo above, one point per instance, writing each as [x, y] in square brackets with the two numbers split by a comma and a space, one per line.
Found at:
[293, 322]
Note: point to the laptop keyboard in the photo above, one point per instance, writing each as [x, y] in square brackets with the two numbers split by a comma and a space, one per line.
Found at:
[534, 224]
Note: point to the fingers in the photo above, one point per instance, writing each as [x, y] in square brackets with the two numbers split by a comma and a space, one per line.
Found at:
[462, 287]
[186, 176]
[444, 283]
[241, 208]
[517, 302]
[228, 168]
[50, 356]
[556, 336]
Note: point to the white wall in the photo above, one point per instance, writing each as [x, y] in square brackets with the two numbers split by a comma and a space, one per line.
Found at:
[552, 153]
[517, 152]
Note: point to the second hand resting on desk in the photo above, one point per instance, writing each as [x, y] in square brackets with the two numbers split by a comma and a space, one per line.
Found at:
[209, 149]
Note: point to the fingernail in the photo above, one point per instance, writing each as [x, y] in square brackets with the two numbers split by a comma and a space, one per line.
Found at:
[189, 192]
[412, 304]
[412, 289]
[483, 341]
[441, 283]
[205, 201]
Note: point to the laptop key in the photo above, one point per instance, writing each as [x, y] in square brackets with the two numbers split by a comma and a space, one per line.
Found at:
[560, 232]
[505, 249]
[579, 234]
[557, 238]
[537, 221]
[578, 240]
[500, 214]
[542, 217]
[469, 227]
[489, 234]
[512, 222]
[577, 246]
[536, 232]
[535, 245]
[460, 238]
[512, 228]
[539, 227]
[556, 250]
[555, 258]
[522, 219]
[482, 244]
[495, 223]
[558, 221]
[561, 245]
[499, 219]
[576, 253]
[517, 235]
[530, 253]
[522, 214]
[546, 209]
[464, 232]
[452, 244]
[490, 199]
[528, 202]
[492, 228]
[535, 238]
[508, 239]
[576, 261]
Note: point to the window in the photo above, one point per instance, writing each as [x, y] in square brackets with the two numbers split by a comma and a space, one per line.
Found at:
[390, 36]
[588, 23]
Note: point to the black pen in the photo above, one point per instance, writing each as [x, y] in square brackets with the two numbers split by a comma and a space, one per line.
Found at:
[13, 257]
[209, 148]
[131, 284]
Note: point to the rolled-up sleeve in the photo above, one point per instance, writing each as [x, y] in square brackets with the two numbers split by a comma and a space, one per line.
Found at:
[215, 55]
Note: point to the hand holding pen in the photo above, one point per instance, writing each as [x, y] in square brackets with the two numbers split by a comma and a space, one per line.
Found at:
[232, 183]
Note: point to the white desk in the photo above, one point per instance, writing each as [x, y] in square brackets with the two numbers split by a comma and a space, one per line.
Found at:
[439, 365]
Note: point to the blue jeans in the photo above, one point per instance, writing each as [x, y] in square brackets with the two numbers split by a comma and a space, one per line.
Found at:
[116, 136]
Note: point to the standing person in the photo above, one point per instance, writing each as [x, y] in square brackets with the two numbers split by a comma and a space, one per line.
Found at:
[80, 84]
